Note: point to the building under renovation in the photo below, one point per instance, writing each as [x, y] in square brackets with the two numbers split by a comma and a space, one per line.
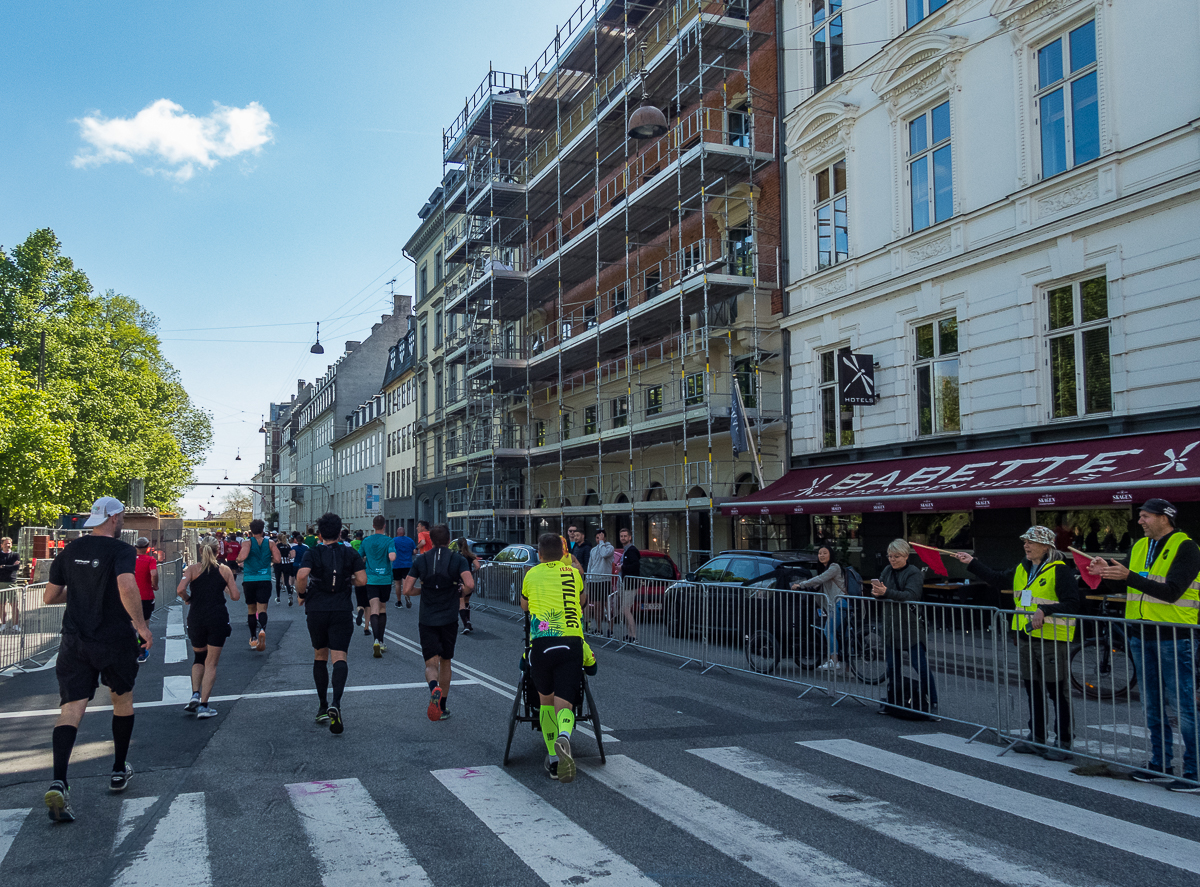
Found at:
[598, 285]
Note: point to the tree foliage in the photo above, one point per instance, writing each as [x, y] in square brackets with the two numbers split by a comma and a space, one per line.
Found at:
[108, 389]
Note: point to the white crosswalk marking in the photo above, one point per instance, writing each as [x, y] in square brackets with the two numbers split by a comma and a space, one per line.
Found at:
[351, 838]
[176, 646]
[177, 688]
[928, 836]
[177, 853]
[1149, 843]
[1134, 791]
[10, 824]
[558, 851]
[131, 810]
[760, 848]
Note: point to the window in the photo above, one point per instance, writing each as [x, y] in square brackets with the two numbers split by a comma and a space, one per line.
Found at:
[621, 299]
[437, 267]
[566, 426]
[746, 372]
[620, 411]
[837, 420]
[843, 531]
[918, 10]
[827, 42]
[740, 240]
[945, 529]
[693, 389]
[832, 233]
[738, 127]
[937, 377]
[438, 391]
[654, 401]
[437, 329]
[589, 420]
[424, 340]
[930, 168]
[1068, 100]
[423, 289]
[589, 316]
[540, 432]
[1080, 373]
[653, 283]
[424, 398]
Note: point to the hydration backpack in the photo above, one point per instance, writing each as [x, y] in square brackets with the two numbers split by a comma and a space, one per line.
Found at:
[854, 582]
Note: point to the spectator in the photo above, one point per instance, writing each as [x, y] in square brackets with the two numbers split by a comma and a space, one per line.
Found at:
[145, 573]
[832, 583]
[599, 570]
[580, 550]
[898, 586]
[1045, 588]
[631, 571]
[10, 563]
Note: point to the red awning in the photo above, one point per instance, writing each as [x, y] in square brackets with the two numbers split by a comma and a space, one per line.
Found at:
[1091, 473]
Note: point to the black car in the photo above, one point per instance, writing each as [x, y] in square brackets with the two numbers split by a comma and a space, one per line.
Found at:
[487, 549]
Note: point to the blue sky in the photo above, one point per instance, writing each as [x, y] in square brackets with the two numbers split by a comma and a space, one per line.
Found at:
[240, 240]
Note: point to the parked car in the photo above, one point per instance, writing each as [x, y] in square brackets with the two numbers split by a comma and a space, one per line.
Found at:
[499, 579]
[487, 549]
[657, 571]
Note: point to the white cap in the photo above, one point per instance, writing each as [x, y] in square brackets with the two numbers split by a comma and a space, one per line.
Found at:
[102, 509]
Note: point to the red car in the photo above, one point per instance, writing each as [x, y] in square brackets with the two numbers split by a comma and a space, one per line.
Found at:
[657, 572]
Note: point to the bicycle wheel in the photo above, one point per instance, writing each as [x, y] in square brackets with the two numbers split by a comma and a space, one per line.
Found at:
[762, 652]
[868, 659]
[1101, 668]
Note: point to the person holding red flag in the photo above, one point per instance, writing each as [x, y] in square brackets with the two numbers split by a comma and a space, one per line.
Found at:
[899, 585]
[1044, 589]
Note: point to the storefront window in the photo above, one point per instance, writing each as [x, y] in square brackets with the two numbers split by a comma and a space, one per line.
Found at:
[658, 532]
[767, 532]
[1094, 530]
[941, 529]
[842, 530]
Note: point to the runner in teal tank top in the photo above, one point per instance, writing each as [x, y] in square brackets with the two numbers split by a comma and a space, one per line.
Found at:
[257, 557]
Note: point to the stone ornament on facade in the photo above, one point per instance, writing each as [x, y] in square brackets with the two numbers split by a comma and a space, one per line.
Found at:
[929, 249]
[831, 287]
[1082, 192]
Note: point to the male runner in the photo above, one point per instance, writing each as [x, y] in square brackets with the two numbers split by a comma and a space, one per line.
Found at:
[310, 539]
[93, 575]
[402, 560]
[376, 550]
[145, 573]
[424, 542]
[323, 586]
[552, 594]
[441, 571]
[283, 568]
[256, 557]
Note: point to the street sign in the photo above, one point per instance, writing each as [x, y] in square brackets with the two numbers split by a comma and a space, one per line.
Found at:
[374, 494]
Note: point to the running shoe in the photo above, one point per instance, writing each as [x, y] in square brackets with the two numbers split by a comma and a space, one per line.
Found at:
[143, 656]
[467, 629]
[193, 703]
[407, 602]
[566, 763]
[289, 598]
[205, 711]
[443, 716]
[322, 715]
[277, 598]
[335, 720]
[58, 803]
[119, 781]
[551, 767]
[1151, 773]
[367, 630]
[435, 704]
[253, 642]
[1187, 788]
[262, 640]
[358, 617]
[379, 650]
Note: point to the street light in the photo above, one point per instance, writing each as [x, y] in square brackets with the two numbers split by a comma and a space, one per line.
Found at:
[647, 121]
[238, 458]
[316, 348]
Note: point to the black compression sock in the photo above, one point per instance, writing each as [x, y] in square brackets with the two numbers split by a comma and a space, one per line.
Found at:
[321, 679]
[445, 695]
[122, 730]
[252, 621]
[63, 740]
[382, 619]
[262, 621]
[374, 623]
[340, 672]
[465, 616]
[432, 686]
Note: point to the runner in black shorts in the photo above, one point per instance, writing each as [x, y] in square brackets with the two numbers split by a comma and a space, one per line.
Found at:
[257, 555]
[377, 553]
[323, 586]
[93, 576]
[203, 588]
[441, 572]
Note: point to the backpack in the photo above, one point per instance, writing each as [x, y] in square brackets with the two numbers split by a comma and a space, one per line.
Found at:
[906, 701]
[439, 580]
[328, 574]
[854, 583]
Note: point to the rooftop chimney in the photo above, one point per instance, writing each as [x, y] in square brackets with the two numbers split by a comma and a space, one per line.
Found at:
[376, 326]
[402, 305]
[351, 345]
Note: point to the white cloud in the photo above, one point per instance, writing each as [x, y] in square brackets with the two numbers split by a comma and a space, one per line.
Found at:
[168, 136]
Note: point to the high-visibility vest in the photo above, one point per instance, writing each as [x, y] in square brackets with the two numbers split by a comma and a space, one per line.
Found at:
[1145, 606]
[1042, 592]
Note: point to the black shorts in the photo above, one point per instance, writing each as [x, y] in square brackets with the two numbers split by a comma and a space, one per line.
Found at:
[332, 629]
[382, 592]
[556, 667]
[208, 634]
[400, 574]
[362, 597]
[82, 665]
[438, 640]
[256, 592]
[147, 610]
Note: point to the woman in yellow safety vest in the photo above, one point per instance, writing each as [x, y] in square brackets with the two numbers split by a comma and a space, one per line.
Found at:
[1044, 589]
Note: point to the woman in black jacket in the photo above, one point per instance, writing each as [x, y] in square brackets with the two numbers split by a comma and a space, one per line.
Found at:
[898, 586]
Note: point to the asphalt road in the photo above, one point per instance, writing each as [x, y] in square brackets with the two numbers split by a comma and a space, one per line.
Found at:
[710, 779]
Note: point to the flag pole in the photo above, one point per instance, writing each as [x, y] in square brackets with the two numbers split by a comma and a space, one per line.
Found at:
[737, 391]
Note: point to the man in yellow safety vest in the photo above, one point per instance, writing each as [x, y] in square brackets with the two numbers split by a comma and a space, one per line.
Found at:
[1162, 593]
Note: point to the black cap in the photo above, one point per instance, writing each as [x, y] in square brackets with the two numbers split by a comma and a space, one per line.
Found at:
[1160, 506]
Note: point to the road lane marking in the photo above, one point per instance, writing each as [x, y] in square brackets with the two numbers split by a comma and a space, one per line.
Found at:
[353, 842]
[10, 824]
[131, 810]
[177, 688]
[558, 850]
[760, 848]
[1150, 843]
[176, 645]
[927, 835]
[177, 853]
[274, 694]
[1133, 791]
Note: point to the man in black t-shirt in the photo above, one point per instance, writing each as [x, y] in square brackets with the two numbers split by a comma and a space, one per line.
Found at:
[441, 571]
[93, 576]
[324, 584]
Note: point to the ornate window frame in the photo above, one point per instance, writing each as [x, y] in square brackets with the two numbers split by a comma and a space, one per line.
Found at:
[825, 134]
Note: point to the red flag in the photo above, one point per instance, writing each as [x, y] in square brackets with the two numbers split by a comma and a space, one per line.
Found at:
[1082, 562]
[932, 557]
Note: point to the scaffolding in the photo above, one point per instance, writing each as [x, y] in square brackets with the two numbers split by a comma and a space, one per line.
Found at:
[607, 293]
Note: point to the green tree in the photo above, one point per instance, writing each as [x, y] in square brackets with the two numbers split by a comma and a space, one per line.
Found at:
[36, 463]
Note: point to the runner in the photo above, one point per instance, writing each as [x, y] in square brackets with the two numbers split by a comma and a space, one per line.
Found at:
[356, 542]
[283, 567]
[376, 550]
[464, 600]
[145, 573]
[207, 622]
[424, 542]
[93, 576]
[256, 557]
[552, 594]
[323, 586]
[310, 540]
[441, 571]
[402, 560]
[299, 549]
[233, 548]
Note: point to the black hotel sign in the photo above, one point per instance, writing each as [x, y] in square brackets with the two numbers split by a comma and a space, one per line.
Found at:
[856, 379]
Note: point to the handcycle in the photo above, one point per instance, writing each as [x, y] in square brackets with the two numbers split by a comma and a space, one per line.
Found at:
[526, 706]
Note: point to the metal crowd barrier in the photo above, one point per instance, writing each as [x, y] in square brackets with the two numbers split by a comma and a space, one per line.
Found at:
[40, 624]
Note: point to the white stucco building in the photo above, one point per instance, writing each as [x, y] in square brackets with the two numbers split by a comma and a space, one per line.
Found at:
[996, 202]
[400, 418]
